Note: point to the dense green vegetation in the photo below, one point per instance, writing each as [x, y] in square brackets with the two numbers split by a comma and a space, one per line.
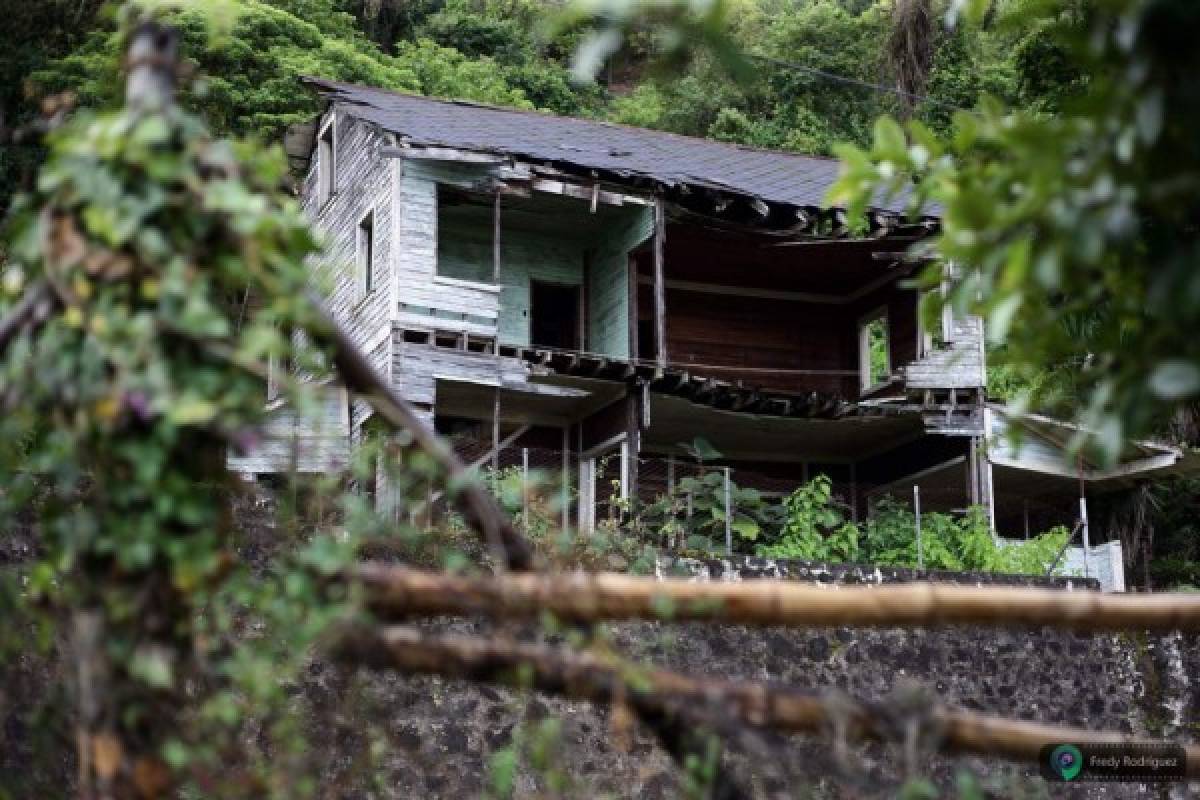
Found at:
[249, 52]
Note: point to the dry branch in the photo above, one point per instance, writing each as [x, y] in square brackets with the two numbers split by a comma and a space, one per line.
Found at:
[400, 591]
[585, 676]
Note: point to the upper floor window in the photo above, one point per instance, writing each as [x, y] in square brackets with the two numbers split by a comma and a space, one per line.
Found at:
[364, 253]
[874, 350]
[325, 164]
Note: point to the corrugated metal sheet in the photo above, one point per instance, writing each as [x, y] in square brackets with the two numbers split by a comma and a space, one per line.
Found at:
[666, 158]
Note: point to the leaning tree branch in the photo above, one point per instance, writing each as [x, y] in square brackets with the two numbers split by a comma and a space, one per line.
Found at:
[479, 508]
[393, 591]
[585, 676]
[494, 526]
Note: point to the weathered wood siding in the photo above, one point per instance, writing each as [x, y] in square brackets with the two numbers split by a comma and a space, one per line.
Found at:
[958, 364]
[312, 443]
[362, 183]
[416, 367]
[422, 298]
[465, 252]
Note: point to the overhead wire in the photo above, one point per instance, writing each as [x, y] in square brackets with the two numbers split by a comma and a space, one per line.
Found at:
[877, 87]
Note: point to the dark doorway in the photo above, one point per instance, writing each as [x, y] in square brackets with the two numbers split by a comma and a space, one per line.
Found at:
[555, 315]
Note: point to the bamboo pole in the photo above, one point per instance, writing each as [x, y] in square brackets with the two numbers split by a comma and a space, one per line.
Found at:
[400, 591]
[659, 693]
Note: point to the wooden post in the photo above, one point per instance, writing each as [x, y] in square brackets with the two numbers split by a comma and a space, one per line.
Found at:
[632, 290]
[853, 492]
[525, 488]
[1026, 514]
[728, 517]
[583, 299]
[670, 474]
[660, 303]
[496, 239]
[566, 476]
[1083, 517]
[917, 518]
[495, 434]
[973, 475]
[633, 442]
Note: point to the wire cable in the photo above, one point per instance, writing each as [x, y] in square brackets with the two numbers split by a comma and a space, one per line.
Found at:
[832, 76]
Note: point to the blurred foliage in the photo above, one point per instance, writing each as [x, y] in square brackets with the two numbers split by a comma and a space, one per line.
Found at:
[118, 415]
[1075, 231]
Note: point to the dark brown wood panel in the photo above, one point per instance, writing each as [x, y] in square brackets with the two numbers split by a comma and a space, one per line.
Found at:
[766, 337]
[833, 267]
[606, 423]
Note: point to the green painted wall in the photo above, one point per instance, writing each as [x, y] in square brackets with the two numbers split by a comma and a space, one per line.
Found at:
[550, 247]
[465, 252]
[608, 290]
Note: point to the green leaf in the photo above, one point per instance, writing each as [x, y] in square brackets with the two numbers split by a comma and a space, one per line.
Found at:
[745, 527]
[192, 411]
[889, 140]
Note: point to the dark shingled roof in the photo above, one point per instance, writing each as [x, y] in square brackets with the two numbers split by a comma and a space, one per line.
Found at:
[667, 158]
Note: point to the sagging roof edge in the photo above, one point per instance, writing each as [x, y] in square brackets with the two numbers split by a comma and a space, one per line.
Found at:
[336, 93]
[1154, 457]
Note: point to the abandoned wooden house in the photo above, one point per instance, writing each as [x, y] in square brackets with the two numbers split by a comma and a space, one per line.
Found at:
[602, 295]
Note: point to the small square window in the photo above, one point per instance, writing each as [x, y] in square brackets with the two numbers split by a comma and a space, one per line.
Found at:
[365, 253]
[325, 165]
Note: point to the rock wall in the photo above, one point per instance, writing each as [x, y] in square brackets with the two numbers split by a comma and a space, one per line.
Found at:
[443, 734]
[383, 735]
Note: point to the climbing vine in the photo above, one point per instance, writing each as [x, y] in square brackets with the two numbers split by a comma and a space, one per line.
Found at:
[171, 268]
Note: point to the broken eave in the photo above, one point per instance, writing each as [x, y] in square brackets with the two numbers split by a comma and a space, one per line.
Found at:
[698, 387]
[768, 190]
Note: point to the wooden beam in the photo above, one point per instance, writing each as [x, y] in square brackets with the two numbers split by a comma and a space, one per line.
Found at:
[496, 239]
[660, 303]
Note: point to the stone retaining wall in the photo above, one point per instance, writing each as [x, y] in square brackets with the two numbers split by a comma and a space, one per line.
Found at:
[444, 733]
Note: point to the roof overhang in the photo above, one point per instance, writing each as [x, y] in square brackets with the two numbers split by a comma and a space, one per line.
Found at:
[1040, 444]
[774, 190]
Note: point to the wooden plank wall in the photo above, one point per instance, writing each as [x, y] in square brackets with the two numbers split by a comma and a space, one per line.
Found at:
[903, 327]
[960, 364]
[465, 251]
[363, 182]
[767, 337]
